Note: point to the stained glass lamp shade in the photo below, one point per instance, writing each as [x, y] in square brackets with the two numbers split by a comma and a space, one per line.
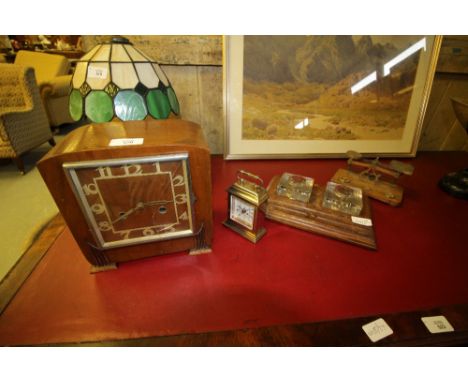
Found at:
[115, 79]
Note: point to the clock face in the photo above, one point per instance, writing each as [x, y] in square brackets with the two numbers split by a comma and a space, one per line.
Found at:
[242, 212]
[134, 200]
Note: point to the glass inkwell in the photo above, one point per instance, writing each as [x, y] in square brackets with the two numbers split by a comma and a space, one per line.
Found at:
[342, 198]
[295, 187]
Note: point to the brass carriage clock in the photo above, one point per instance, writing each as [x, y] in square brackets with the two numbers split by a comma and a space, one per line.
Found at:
[244, 201]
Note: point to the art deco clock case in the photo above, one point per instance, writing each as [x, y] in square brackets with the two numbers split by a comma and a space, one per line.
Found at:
[129, 190]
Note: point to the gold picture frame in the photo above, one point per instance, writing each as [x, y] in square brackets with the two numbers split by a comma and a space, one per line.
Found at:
[277, 104]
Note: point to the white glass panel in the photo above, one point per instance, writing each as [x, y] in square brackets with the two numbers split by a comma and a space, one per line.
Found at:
[102, 54]
[98, 75]
[134, 54]
[90, 54]
[147, 75]
[124, 75]
[119, 54]
[161, 74]
[79, 75]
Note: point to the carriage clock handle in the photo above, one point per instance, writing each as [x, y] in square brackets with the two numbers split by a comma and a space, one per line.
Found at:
[248, 174]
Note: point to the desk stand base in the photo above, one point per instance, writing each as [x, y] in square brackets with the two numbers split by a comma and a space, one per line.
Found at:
[314, 218]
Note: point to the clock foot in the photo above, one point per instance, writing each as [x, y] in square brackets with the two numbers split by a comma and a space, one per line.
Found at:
[103, 268]
[199, 251]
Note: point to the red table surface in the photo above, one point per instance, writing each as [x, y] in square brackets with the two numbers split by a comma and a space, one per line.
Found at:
[289, 276]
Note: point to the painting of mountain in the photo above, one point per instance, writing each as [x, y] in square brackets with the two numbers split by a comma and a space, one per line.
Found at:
[314, 87]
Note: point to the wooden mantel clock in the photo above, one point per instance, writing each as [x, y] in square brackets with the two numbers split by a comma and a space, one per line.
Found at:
[129, 190]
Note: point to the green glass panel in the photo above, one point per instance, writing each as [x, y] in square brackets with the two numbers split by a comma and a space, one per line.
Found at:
[158, 104]
[129, 106]
[75, 105]
[173, 101]
[98, 106]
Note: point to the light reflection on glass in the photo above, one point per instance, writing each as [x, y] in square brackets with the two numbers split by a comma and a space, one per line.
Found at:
[302, 124]
[364, 82]
[421, 44]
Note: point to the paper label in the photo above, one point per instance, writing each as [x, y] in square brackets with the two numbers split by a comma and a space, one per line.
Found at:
[437, 324]
[126, 141]
[378, 329]
[97, 72]
[361, 221]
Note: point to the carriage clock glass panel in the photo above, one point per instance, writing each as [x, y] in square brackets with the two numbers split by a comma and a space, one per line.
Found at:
[242, 212]
[134, 200]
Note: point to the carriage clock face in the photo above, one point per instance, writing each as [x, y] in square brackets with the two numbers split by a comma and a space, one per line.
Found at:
[242, 212]
[134, 200]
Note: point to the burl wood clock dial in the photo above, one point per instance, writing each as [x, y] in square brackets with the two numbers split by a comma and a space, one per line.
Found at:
[132, 201]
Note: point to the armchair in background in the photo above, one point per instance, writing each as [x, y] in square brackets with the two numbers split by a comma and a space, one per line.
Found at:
[53, 78]
[23, 119]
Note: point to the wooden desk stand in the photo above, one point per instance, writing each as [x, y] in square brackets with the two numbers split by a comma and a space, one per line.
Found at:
[312, 217]
[367, 175]
[382, 190]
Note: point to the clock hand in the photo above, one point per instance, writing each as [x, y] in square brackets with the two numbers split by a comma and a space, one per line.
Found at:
[140, 205]
[156, 202]
[129, 212]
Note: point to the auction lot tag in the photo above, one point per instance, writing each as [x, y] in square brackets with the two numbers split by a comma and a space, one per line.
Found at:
[437, 324]
[97, 72]
[362, 221]
[126, 141]
[378, 329]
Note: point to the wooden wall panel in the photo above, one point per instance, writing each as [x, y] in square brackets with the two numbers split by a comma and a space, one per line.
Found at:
[441, 130]
[453, 57]
[456, 138]
[439, 87]
[174, 50]
[211, 91]
[199, 90]
[184, 80]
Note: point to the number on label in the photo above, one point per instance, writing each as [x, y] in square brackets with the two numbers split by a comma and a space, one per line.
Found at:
[148, 232]
[181, 199]
[178, 181]
[184, 216]
[97, 208]
[104, 172]
[125, 234]
[90, 189]
[104, 226]
[132, 169]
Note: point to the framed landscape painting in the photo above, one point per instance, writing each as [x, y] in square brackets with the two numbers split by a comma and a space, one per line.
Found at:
[313, 96]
